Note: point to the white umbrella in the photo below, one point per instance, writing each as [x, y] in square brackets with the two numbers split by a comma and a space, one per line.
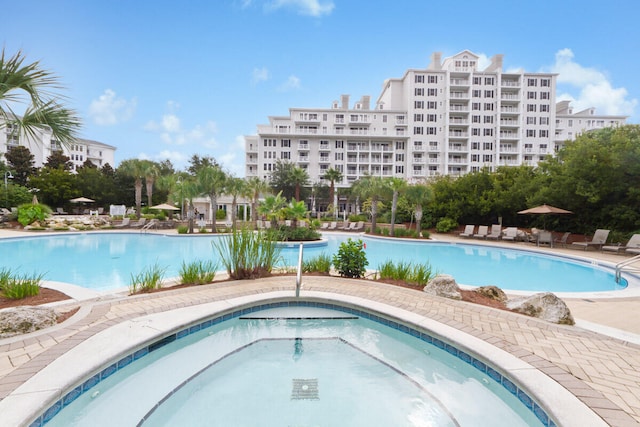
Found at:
[165, 207]
[81, 200]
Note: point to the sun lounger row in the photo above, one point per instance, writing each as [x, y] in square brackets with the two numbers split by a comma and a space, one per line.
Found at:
[348, 226]
[483, 232]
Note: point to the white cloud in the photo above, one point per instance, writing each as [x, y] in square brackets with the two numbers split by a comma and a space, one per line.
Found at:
[110, 110]
[588, 87]
[483, 61]
[259, 75]
[315, 8]
[292, 83]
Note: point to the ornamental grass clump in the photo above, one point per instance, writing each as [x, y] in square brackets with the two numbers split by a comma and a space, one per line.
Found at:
[318, 264]
[246, 254]
[408, 272]
[198, 272]
[18, 286]
[148, 280]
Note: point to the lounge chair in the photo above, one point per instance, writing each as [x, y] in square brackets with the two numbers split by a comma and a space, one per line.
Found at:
[125, 223]
[563, 240]
[496, 232]
[632, 246]
[325, 226]
[483, 230]
[345, 226]
[359, 226]
[468, 231]
[141, 222]
[333, 225]
[510, 234]
[598, 240]
[61, 211]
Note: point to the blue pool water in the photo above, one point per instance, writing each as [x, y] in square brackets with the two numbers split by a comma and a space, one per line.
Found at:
[295, 366]
[106, 261]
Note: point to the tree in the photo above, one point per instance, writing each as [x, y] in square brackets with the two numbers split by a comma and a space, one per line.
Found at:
[289, 179]
[196, 163]
[57, 159]
[211, 180]
[150, 171]
[272, 208]
[55, 186]
[234, 187]
[396, 185]
[295, 211]
[31, 85]
[372, 188]
[332, 175]
[135, 168]
[20, 161]
[298, 177]
[418, 195]
[256, 186]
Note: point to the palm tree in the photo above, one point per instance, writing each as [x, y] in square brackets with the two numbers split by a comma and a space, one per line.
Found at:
[296, 211]
[397, 185]
[211, 180]
[135, 168]
[151, 171]
[234, 187]
[20, 82]
[418, 195]
[372, 188]
[298, 177]
[190, 188]
[256, 186]
[272, 207]
[332, 175]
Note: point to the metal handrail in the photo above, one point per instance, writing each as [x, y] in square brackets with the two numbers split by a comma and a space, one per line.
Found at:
[299, 274]
[625, 265]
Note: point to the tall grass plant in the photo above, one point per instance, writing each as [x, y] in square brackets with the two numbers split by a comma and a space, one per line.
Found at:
[246, 254]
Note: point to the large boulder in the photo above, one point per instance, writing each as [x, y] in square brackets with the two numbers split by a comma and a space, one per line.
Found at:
[546, 306]
[492, 292]
[443, 285]
[22, 320]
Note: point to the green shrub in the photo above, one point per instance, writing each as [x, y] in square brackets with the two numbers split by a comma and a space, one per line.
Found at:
[356, 218]
[198, 272]
[319, 264]
[183, 229]
[29, 213]
[351, 260]
[408, 272]
[445, 225]
[221, 214]
[247, 255]
[149, 279]
[291, 234]
[15, 286]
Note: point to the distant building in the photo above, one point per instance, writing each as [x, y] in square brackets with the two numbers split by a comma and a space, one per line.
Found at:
[43, 145]
[447, 119]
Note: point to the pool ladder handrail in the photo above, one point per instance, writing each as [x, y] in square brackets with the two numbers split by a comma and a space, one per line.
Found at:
[299, 273]
[626, 266]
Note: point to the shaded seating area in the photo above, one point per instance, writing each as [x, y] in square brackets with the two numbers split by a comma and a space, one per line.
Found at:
[598, 241]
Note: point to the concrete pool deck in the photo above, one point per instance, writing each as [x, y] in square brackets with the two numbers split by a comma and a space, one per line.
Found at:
[603, 371]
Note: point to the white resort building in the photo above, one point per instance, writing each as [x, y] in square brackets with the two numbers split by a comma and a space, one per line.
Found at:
[449, 118]
[43, 145]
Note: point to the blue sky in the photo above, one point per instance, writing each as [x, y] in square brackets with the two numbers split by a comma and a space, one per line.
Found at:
[160, 79]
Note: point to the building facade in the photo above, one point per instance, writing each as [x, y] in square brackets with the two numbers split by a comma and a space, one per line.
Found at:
[42, 145]
[450, 118]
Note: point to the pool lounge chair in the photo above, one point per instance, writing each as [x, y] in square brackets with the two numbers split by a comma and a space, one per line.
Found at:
[61, 211]
[544, 238]
[496, 232]
[125, 223]
[483, 230]
[632, 246]
[141, 222]
[598, 240]
[325, 226]
[468, 231]
[333, 225]
[510, 234]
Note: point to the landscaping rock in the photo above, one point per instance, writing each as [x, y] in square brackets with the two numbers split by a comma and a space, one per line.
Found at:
[492, 292]
[546, 306]
[22, 320]
[443, 285]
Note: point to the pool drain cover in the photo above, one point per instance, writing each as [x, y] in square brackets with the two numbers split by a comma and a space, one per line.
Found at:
[305, 389]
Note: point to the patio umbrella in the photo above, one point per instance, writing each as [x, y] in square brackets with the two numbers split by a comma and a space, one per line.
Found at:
[165, 207]
[544, 210]
[81, 200]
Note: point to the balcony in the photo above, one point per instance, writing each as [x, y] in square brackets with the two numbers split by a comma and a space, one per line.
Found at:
[509, 135]
[458, 134]
[510, 83]
[304, 147]
[325, 147]
[457, 147]
[510, 96]
[303, 159]
[459, 82]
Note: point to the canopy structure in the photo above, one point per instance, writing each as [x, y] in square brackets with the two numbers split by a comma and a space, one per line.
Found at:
[165, 207]
[544, 209]
[81, 200]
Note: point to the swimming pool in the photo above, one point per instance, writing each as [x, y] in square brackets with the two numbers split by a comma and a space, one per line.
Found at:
[106, 261]
[299, 364]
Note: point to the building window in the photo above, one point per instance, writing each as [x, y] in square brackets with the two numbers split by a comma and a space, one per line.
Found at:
[488, 106]
[545, 82]
[477, 80]
[419, 91]
[418, 118]
[285, 143]
[531, 95]
[419, 78]
[489, 81]
[432, 117]
[432, 79]
[475, 131]
[431, 105]
[418, 130]
[487, 146]
[432, 92]
[339, 144]
[475, 145]
[399, 157]
[475, 106]
[531, 108]
[418, 105]
[488, 119]
[487, 158]
[339, 156]
[531, 121]
[477, 93]
[431, 131]
[475, 119]
[544, 120]
[399, 145]
[531, 133]
[545, 95]
[488, 132]
[488, 94]
[532, 82]
[285, 155]
[544, 108]
[544, 133]
[399, 169]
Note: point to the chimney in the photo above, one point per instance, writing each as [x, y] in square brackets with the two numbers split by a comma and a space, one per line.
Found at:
[345, 101]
